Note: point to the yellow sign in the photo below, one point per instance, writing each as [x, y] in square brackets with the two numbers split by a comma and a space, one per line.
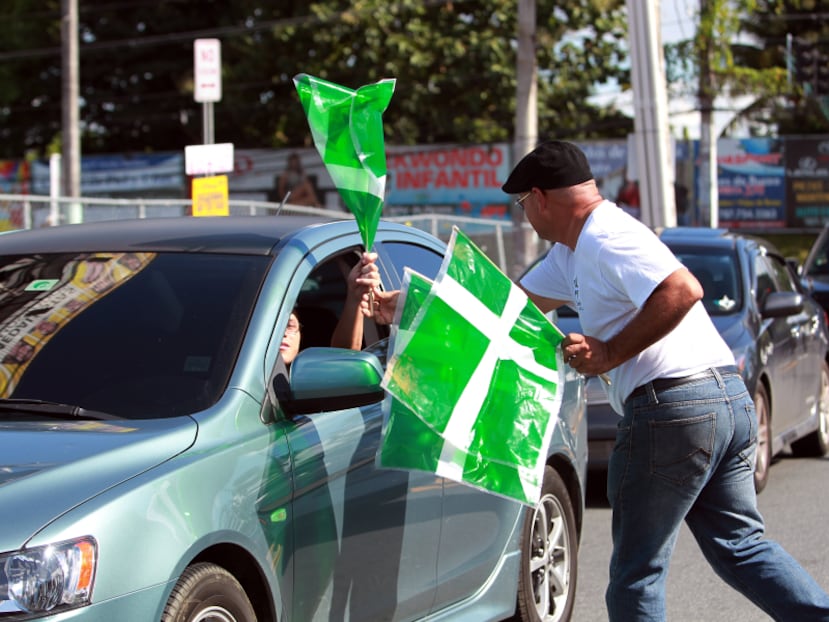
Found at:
[210, 196]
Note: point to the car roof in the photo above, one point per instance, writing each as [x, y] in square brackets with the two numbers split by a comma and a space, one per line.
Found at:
[698, 237]
[252, 235]
[713, 239]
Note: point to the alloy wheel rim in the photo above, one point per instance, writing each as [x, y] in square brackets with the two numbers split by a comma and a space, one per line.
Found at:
[215, 614]
[550, 559]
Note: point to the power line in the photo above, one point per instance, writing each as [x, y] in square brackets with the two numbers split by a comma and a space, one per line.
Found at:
[149, 40]
[176, 37]
[85, 10]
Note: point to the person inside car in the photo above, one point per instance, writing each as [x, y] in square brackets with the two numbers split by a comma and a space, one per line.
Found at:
[363, 278]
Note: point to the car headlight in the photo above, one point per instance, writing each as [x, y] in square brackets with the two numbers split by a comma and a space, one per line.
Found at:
[47, 578]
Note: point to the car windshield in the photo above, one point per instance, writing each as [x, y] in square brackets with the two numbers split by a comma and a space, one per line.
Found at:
[136, 335]
[717, 273]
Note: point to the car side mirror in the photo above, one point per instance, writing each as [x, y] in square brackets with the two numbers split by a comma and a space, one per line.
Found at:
[781, 304]
[323, 379]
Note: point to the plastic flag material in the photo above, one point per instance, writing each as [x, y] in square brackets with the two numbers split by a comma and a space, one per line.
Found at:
[347, 128]
[474, 378]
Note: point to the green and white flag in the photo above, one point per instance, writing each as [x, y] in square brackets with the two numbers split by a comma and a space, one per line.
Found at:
[347, 127]
[478, 364]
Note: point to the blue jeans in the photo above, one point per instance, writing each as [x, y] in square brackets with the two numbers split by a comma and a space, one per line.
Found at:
[686, 453]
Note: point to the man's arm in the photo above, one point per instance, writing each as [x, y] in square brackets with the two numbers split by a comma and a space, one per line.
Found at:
[661, 313]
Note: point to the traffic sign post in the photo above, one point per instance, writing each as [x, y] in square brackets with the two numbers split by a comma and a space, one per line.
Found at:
[207, 81]
[210, 193]
[210, 196]
[208, 159]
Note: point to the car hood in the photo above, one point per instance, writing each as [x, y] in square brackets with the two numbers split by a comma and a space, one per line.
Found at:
[49, 467]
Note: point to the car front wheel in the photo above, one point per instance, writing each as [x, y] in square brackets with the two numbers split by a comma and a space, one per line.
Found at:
[762, 461]
[549, 551]
[208, 593]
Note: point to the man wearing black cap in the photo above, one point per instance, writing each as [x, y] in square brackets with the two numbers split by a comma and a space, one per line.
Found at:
[686, 439]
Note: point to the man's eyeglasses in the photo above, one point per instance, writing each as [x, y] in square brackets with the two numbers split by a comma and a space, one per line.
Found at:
[293, 328]
[519, 202]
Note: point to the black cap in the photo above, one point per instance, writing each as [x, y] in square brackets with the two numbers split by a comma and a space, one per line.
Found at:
[553, 164]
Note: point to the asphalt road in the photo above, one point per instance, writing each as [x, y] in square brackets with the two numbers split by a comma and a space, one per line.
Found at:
[794, 505]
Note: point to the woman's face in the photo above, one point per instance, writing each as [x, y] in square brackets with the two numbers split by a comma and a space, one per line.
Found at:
[291, 339]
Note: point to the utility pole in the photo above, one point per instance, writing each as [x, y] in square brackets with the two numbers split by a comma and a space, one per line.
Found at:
[70, 80]
[708, 190]
[526, 123]
[653, 148]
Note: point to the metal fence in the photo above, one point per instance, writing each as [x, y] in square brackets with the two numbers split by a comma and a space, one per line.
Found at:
[496, 237]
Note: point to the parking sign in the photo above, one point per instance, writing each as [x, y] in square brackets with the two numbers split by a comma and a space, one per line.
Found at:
[207, 56]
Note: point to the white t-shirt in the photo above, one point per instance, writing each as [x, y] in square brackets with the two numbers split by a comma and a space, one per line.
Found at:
[617, 264]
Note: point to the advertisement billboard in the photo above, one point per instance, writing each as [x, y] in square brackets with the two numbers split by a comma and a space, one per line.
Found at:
[751, 183]
[807, 181]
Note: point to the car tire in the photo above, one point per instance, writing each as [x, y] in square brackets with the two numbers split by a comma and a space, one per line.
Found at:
[208, 593]
[762, 459]
[549, 553]
[816, 444]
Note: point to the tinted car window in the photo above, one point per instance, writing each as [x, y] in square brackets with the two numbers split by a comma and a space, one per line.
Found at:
[419, 258]
[138, 335]
[765, 280]
[321, 301]
[818, 261]
[782, 274]
[719, 277]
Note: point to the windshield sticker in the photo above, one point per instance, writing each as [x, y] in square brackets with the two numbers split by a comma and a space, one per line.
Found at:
[42, 285]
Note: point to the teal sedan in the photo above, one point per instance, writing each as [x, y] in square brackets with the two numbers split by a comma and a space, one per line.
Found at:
[160, 461]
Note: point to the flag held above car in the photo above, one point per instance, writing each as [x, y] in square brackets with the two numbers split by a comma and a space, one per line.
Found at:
[347, 127]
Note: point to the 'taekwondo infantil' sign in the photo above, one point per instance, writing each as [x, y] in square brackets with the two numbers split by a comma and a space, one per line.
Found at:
[447, 175]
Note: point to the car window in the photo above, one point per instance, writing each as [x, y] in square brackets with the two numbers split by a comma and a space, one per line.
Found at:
[764, 280]
[138, 335]
[818, 261]
[719, 277]
[419, 258]
[782, 274]
[321, 300]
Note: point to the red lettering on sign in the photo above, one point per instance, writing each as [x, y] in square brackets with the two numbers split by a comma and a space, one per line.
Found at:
[459, 158]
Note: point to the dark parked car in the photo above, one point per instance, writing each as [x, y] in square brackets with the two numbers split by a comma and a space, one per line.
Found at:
[777, 332]
[814, 273]
[158, 461]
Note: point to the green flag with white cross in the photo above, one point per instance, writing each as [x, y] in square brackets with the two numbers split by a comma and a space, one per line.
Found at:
[347, 127]
[475, 377]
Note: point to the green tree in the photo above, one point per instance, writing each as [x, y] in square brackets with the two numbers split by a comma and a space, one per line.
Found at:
[454, 62]
[741, 48]
[790, 25]
[29, 76]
